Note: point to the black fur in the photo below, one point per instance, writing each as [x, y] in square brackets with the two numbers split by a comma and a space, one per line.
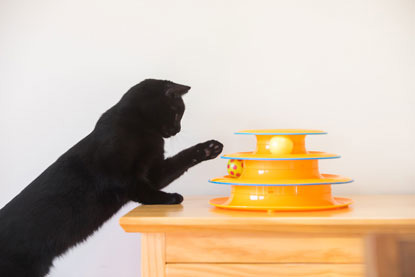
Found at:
[122, 159]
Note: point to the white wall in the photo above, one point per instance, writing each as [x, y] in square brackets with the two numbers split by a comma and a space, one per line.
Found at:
[346, 67]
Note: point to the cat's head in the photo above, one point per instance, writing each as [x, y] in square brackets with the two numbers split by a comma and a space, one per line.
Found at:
[159, 103]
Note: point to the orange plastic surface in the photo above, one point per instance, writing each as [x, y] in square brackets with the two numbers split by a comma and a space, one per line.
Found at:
[281, 172]
[222, 202]
[280, 198]
[307, 156]
[325, 179]
[281, 132]
[280, 175]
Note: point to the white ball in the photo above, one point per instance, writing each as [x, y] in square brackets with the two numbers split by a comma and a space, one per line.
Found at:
[280, 145]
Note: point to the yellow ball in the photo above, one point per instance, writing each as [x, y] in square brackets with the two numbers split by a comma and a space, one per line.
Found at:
[280, 145]
[235, 168]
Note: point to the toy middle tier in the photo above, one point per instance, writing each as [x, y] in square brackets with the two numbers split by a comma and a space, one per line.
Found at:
[279, 174]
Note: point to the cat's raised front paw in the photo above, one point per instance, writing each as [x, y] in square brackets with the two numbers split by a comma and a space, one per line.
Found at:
[209, 149]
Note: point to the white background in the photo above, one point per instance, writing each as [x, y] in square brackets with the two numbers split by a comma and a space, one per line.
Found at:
[346, 67]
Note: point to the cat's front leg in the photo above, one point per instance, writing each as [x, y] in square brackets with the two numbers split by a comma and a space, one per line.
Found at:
[165, 172]
[145, 193]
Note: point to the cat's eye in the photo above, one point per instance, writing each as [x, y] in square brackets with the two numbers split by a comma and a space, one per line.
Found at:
[176, 117]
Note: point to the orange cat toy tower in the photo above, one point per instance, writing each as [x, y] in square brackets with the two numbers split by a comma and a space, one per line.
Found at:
[280, 175]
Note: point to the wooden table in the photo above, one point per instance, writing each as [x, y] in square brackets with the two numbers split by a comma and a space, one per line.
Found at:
[195, 239]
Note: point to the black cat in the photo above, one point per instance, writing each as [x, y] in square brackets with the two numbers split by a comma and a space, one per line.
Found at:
[122, 159]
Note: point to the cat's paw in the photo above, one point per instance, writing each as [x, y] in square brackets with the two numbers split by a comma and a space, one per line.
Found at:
[213, 149]
[174, 198]
[162, 198]
[208, 150]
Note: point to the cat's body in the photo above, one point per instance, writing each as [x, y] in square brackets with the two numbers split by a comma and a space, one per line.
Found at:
[122, 159]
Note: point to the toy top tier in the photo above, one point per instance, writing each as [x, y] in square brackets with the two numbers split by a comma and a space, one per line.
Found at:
[281, 141]
[275, 132]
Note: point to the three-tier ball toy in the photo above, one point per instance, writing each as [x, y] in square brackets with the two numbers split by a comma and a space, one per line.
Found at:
[280, 175]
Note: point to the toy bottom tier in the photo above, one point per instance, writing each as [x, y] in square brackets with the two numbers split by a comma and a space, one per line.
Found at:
[281, 198]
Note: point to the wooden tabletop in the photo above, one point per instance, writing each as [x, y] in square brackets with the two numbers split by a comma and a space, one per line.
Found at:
[368, 214]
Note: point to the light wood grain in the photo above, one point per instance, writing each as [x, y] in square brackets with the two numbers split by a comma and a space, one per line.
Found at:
[382, 213]
[264, 270]
[261, 248]
[152, 255]
[195, 239]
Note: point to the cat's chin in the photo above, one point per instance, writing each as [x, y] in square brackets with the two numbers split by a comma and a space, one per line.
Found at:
[167, 134]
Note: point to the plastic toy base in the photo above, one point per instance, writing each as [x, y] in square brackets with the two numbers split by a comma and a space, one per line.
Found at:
[281, 198]
[222, 202]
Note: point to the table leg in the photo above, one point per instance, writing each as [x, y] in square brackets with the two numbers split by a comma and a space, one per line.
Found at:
[153, 258]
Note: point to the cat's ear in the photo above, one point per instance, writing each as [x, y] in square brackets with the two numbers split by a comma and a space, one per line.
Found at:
[176, 90]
